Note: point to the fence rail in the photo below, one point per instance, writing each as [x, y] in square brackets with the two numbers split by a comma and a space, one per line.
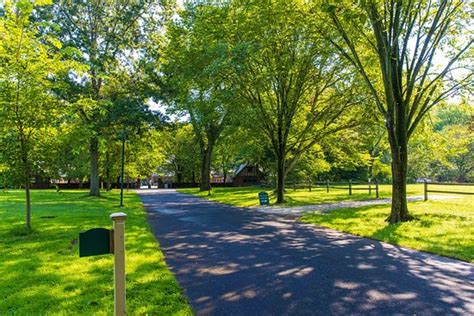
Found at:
[427, 190]
[369, 186]
[452, 183]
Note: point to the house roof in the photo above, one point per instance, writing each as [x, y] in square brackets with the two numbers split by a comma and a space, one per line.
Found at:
[240, 168]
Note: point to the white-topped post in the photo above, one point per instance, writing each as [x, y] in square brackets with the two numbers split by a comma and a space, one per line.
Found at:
[119, 263]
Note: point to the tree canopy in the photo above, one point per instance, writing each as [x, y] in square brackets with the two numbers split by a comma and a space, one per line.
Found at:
[299, 90]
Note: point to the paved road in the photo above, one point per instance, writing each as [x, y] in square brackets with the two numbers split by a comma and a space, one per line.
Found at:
[234, 261]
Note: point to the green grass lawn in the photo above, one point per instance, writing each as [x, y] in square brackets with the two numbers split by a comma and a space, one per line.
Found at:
[41, 273]
[248, 196]
[442, 227]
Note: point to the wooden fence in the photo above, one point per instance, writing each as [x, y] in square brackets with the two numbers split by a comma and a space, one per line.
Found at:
[349, 186]
[427, 189]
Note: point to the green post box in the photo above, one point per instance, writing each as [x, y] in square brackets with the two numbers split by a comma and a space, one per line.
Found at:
[95, 241]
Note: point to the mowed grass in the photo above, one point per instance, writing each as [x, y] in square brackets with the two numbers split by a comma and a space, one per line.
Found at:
[248, 196]
[41, 273]
[444, 227]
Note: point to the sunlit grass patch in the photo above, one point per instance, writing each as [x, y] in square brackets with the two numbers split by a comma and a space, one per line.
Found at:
[443, 227]
[43, 274]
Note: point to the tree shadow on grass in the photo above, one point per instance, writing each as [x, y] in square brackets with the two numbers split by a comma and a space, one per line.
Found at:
[447, 246]
[42, 273]
[421, 233]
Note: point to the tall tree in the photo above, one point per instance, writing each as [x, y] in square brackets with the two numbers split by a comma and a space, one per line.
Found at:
[397, 47]
[29, 65]
[195, 70]
[295, 85]
[106, 33]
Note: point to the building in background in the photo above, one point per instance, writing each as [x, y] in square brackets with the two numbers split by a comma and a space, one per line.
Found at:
[247, 175]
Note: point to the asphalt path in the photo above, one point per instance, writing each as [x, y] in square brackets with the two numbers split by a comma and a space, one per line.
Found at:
[233, 261]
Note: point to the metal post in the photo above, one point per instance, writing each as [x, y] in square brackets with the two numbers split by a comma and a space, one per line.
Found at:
[425, 185]
[376, 189]
[370, 188]
[327, 186]
[350, 186]
[119, 263]
[122, 171]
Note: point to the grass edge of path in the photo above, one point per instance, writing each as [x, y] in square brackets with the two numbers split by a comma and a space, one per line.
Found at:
[434, 230]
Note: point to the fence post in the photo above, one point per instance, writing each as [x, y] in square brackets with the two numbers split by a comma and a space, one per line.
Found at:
[309, 185]
[376, 189]
[350, 186]
[425, 185]
[370, 188]
[327, 186]
[119, 263]
[294, 186]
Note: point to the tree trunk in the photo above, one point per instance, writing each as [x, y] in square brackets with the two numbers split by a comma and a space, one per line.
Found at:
[370, 169]
[179, 176]
[108, 185]
[28, 198]
[27, 179]
[399, 211]
[94, 159]
[206, 155]
[280, 180]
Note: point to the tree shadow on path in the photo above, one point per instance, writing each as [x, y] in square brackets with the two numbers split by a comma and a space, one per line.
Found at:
[233, 261]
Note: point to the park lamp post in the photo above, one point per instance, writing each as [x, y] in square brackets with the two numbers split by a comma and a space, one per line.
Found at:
[123, 138]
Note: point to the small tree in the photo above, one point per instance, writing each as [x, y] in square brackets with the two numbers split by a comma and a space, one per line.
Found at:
[396, 46]
[28, 65]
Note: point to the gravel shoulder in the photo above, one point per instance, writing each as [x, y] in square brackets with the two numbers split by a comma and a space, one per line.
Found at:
[328, 207]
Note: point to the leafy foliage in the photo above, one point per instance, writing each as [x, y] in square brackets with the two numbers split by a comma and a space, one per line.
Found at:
[29, 70]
